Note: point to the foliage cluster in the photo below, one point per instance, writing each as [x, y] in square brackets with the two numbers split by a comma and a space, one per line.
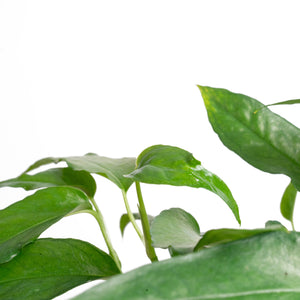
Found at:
[226, 263]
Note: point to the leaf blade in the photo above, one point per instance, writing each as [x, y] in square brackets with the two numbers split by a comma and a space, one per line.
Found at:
[175, 228]
[262, 138]
[50, 267]
[23, 221]
[54, 177]
[163, 164]
[272, 274]
[113, 169]
[287, 203]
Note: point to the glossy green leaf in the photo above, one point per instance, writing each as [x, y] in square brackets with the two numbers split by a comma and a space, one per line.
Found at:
[261, 137]
[161, 164]
[111, 168]
[176, 229]
[54, 177]
[124, 220]
[50, 267]
[225, 235]
[264, 267]
[288, 202]
[23, 221]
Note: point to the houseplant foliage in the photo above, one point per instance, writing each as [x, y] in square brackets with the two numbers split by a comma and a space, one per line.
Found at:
[227, 263]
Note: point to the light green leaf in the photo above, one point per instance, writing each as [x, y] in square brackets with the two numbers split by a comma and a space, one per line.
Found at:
[264, 267]
[161, 164]
[124, 220]
[111, 168]
[261, 137]
[288, 202]
[225, 235]
[54, 177]
[50, 267]
[176, 229]
[23, 221]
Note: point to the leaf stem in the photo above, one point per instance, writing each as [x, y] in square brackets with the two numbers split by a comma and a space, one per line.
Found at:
[131, 217]
[99, 217]
[145, 224]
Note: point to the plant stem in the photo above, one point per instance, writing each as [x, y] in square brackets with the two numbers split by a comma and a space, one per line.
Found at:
[131, 217]
[145, 224]
[99, 217]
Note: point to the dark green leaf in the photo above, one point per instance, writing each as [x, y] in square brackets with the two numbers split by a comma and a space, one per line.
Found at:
[225, 235]
[111, 168]
[264, 267]
[54, 177]
[124, 221]
[162, 164]
[23, 221]
[261, 137]
[50, 267]
[177, 229]
[288, 202]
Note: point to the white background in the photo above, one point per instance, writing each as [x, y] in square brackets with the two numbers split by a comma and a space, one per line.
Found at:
[114, 77]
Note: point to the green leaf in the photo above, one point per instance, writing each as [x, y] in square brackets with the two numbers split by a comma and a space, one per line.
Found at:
[54, 177]
[261, 137]
[225, 235]
[294, 101]
[124, 220]
[176, 229]
[161, 164]
[111, 168]
[50, 267]
[264, 267]
[23, 221]
[274, 225]
[288, 202]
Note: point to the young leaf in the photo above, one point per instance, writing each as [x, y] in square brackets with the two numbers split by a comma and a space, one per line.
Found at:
[111, 168]
[23, 221]
[265, 266]
[225, 235]
[161, 164]
[54, 177]
[124, 221]
[177, 229]
[288, 202]
[259, 136]
[50, 267]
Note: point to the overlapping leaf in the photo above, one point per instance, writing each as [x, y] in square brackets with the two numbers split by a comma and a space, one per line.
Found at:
[54, 177]
[161, 164]
[23, 221]
[254, 268]
[50, 267]
[261, 137]
[111, 168]
[176, 229]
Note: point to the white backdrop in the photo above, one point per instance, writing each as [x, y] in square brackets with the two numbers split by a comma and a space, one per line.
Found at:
[114, 77]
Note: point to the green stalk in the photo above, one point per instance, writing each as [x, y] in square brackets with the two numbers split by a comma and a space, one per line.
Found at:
[145, 224]
[131, 217]
[99, 217]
